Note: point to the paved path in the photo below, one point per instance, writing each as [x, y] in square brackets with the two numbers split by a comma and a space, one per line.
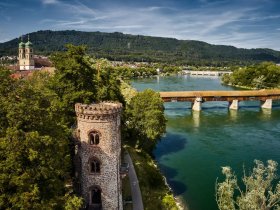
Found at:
[134, 185]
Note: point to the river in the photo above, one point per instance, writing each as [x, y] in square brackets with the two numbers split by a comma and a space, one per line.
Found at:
[197, 144]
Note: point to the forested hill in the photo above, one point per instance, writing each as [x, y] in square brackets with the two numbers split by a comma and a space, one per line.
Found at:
[118, 46]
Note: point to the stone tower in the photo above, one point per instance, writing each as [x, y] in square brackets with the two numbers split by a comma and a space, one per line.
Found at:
[26, 57]
[97, 155]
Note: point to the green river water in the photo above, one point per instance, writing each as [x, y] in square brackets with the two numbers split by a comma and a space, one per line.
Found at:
[197, 144]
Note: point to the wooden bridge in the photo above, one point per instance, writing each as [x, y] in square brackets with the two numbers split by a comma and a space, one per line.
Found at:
[233, 97]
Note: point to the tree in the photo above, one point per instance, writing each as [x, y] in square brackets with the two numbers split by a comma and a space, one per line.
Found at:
[259, 192]
[35, 162]
[74, 80]
[80, 78]
[169, 202]
[127, 91]
[108, 81]
[263, 75]
[7, 85]
[145, 119]
[259, 82]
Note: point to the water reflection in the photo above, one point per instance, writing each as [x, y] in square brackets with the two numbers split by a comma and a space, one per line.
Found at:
[266, 114]
[196, 118]
[233, 114]
[171, 143]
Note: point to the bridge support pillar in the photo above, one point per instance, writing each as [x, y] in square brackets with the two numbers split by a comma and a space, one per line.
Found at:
[267, 104]
[234, 105]
[197, 104]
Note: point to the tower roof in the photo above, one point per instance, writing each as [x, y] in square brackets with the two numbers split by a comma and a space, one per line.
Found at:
[28, 44]
[21, 45]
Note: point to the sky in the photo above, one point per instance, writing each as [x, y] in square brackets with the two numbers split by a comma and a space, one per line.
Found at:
[241, 23]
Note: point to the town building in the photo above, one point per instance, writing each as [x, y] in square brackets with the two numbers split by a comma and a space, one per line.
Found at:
[28, 62]
[25, 55]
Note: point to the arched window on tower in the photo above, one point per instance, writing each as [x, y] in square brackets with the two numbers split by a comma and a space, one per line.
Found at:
[95, 197]
[94, 165]
[94, 138]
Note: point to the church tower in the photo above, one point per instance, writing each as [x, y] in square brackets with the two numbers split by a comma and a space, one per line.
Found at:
[26, 57]
[21, 55]
[97, 155]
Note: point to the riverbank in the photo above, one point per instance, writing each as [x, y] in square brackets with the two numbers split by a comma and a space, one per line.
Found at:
[155, 192]
[196, 146]
[240, 86]
[249, 88]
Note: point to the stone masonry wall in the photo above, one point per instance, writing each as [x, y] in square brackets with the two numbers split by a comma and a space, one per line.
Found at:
[105, 119]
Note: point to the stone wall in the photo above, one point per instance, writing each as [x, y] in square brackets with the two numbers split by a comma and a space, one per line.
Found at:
[104, 119]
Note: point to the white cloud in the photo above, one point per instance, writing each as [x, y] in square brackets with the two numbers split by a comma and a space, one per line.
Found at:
[50, 1]
[261, 18]
[155, 8]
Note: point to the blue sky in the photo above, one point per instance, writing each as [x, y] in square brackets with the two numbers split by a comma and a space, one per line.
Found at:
[241, 23]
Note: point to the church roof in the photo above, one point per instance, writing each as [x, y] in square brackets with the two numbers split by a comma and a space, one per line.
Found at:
[21, 44]
[28, 44]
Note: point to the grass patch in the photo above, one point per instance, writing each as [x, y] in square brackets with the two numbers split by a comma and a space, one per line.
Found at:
[155, 193]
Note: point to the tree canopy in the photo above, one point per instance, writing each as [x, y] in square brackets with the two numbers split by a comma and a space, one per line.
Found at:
[79, 78]
[263, 75]
[261, 189]
[145, 119]
[35, 162]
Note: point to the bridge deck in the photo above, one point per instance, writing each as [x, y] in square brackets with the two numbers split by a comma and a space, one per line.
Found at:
[221, 95]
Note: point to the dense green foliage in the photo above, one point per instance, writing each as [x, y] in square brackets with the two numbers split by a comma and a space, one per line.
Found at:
[35, 162]
[35, 139]
[145, 119]
[146, 70]
[79, 78]
[259, 191]
[128, 72]
[35, 119]
[118, 46]
[263, 75]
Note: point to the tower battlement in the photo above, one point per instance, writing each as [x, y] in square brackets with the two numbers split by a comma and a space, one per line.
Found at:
[97, 111]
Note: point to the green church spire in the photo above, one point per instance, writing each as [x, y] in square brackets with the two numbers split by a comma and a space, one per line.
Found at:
[28, 44]
[21, 44]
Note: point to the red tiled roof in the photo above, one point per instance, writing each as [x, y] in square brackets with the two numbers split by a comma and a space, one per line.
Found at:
[22, 74]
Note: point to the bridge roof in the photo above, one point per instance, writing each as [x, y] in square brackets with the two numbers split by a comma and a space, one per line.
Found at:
[213, 93]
